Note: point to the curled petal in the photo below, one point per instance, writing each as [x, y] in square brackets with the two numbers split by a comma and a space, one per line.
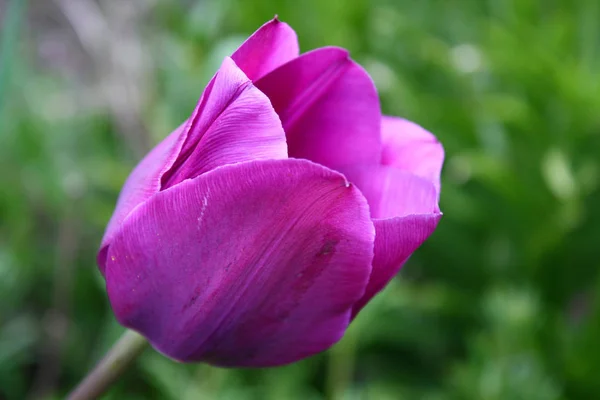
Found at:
[405, 212]
[253, 264]
[233, 122]
[272, 45]
[329, 108]
[409, 147]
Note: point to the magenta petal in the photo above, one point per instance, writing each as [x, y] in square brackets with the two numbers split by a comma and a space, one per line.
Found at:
[409, 147]
[141, 184]
[272, 45]
[392, 192]
[253, 264]
[233, 122]
[395, 240]
[405, 212]
[329, 108]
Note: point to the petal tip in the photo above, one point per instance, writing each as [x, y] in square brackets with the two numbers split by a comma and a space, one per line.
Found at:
[271, 46]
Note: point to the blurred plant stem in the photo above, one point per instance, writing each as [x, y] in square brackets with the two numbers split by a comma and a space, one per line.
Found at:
[111, 367]
[57, 318]
[340, 368]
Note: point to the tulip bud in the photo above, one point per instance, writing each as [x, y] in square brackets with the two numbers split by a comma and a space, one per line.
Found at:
[257, 230]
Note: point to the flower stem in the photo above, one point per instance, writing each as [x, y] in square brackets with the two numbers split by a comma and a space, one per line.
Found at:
[108, 370]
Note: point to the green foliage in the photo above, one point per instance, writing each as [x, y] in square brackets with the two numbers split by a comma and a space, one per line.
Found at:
[502, 303]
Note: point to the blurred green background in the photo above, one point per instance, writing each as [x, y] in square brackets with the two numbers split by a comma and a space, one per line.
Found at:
[503, 302]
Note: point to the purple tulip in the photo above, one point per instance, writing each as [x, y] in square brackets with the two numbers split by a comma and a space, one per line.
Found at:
[255, 232]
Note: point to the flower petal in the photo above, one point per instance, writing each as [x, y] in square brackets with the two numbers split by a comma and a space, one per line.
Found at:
[329, 108]
[141, 184]
[396, 240]
[405, 212]
[392, 192]
[233, 122]
[253, 264]
[272, 45]
[409, 147]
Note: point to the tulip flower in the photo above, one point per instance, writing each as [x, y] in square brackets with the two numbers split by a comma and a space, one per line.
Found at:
[255, 232]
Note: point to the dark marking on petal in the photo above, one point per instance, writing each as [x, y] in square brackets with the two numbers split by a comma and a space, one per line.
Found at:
[328, 248]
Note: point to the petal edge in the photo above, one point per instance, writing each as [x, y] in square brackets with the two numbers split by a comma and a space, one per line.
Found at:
[409, 147]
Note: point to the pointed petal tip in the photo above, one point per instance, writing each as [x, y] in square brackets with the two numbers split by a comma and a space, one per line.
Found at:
[271, 46]
[278, 23]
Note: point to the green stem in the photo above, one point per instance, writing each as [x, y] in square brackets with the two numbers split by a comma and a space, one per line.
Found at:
[341, 365]
[108, 370]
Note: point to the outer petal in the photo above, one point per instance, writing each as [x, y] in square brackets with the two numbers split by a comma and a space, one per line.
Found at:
[405, 212]
[233, 122]
[141, 184]
[253, 264]
[272, 45]
[409, 147]
[329, 108]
